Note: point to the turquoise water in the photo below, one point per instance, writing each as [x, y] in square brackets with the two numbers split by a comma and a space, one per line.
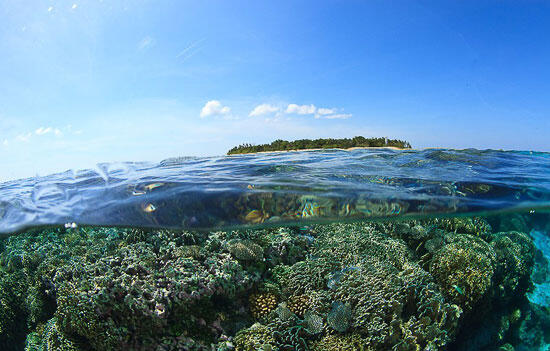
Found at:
[320, 250]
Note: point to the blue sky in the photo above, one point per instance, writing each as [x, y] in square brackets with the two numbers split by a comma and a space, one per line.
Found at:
[102, 80]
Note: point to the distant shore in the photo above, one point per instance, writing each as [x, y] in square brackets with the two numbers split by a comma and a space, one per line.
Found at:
[321, 149]
[357, 142]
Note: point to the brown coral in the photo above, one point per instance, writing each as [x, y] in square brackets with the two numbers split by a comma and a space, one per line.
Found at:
[262, 304]
[299, 304]
[245, 250]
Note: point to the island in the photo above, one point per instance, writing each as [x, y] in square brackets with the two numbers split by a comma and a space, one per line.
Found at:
[308, 144]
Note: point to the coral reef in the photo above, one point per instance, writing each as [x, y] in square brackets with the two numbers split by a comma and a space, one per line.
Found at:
[245, 250]
[257, 337]
[298, 304]
[399, 285]
[372, 287]
[464, 268]
[515, 253]
[331, 342]
[262, 304]
[12, 310]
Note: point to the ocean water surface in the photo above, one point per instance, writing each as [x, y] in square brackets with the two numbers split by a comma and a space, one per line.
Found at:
[371, 249]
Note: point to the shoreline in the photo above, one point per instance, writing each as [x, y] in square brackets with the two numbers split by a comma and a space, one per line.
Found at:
[320, 149]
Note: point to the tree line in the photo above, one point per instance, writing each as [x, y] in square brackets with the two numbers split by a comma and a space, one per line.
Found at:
[303, 144]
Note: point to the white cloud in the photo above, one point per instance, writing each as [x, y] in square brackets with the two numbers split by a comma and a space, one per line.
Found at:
[46, 130]
[5, 142]
[339, 116]
[301, 109]
[146, 42]
[214, 107]
[263, 109]
[74, 6]
[43, 130]
[23, 137]
[325, 111]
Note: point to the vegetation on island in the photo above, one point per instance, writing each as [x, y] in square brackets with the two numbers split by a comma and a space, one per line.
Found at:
[304, 144]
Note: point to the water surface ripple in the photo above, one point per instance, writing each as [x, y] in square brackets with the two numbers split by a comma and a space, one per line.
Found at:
[280, 188]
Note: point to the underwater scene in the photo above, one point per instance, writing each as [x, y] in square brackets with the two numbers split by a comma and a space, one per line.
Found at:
[369, 249]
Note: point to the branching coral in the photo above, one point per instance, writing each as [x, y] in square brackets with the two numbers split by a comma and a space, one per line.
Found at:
[116, 294]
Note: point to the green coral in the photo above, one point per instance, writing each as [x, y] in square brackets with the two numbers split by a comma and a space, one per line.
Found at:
[12, 311]
[374, 274]
[405, 285]
[257, 337]
[331, 342]
[515, 254]
[117, 294]
[476, 226]
[50, 338]
[464, 268]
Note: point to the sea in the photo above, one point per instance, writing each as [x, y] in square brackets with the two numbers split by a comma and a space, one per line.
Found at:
[365, 249]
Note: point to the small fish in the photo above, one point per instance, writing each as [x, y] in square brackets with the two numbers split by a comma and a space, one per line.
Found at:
[148, 208]
[70, 225]
[143, 190]
[458, 289]
[152, 186]
[256, 216]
